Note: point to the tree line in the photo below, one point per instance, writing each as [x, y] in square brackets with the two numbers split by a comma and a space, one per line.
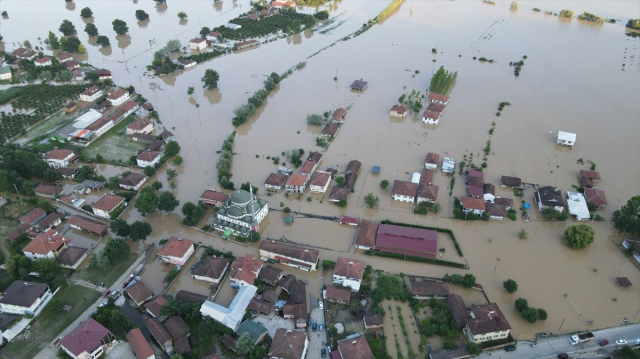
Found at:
[442, 81]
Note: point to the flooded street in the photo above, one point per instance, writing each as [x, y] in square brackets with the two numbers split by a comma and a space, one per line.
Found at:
[573, 71]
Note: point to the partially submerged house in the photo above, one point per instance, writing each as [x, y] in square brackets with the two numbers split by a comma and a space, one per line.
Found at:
[366, 236]
[432, 160]
[508, 181]
[48, 190]
[133, 181]
[139, 293]
[210, 269]
[338, 194]
[338, 115]
[486, 323]
[549, 197]
[566, 138]
[213, 198]
[588, 178]
[176, 251]
[577, 206]
[198, 44]
[244, 270]
[473, 205]
[429, 289]
[330, 130]
[404, 191]
[87, 224]
[293, 256]
[348, 273]
[296, 183]
[275, 181]
[595, 197]
[431, 118]
[109, 206]
[359, 85]
[440, 99]
[338, 295]
[270, 275]
[398, 111]
[319, 181]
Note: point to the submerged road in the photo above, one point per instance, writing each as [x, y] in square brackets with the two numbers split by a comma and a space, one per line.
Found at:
[550, 348]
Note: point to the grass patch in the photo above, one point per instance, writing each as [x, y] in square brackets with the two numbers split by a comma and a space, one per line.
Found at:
[416, 259]
[55, 122]
[204, 347]
[49, 324]
[109, 276]
[115, 146]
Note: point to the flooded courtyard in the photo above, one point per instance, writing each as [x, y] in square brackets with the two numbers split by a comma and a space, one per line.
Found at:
[573, 70]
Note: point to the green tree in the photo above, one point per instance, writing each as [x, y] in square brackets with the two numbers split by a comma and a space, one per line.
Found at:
[210, 79]
[45, 266]
[321, 15]
[46, 76]
[342, 203]
[190, 90]
[542, 313]
[120, 227]
[522, 234]
[531, 315]
[116, 249]
[167, 201]
[340, 181]
[147, 201]
[204, 31]
[634, 24]
[473, 349]
[103, 41]
[86, 13]
[140, 231]
[371, 200]
[244, 344]
[626, 219]
[120, 27]
[72, 44]
[469, 281]
[27, 43]
[549, 214]
[85, 173]
[91, 29]
[55, 306]
[149, 171]
[315, 120]
[182, 15]
[141, 15]
[521, 304]
[67, 28]
[53, 41]
[510, 285]
[578, 236]
[171, 174]
[157, 185]
[384, 184]
[63, 76]
[178, 160]
[171, 149]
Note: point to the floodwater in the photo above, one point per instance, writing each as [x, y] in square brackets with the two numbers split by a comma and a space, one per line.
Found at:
[574, 72]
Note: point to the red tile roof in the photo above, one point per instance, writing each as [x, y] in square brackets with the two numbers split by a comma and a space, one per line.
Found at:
[139, 344]
[476, 173]
[475, 191]
[336, 293]
[130, 105]
[139, 124]
[175, 247]
[297, 180]
[436, 107]
[488, 319]
[139, 292]
[432, 158]
[595, 196]
[350, 268]
[64, 56]
[366, 236]
[330, 129]
[87, 224]
[427, 175]
[276, 179]
[398, 239]
[295, 252]
[339, 114]
[197, 40]
[319, 178]
[504, 201]
[307, 166]
[594, 175]
[426, 288]
[214, 196]
[43, 60]
[214, 34]
[58, 154]
[355, 348]
[404, 188]
[437, 97]
[117, 94]
[431, 115]
[473, 203]
[86, 337]
[108, 202]
[148, 156]
[48, 189]
[428, 192]
[349, 220]
[287, 344]
[46, 242]
[33, 215]
[158, 331]
[155, 306]
[399, 109]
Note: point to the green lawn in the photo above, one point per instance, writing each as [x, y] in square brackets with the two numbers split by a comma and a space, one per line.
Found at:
[109, 276]
[205, 347]
[115, 145]
[50, 126]
[49, 325]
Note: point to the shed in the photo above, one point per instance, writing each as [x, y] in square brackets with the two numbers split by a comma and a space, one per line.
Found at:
[623, 281]
[375, 170]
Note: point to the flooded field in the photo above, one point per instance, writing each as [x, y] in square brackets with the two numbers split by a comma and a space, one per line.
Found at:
[573, 70]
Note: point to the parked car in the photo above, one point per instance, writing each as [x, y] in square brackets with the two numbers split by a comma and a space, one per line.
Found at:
[621, 342]
[510, 348]
[323, 353]
[637, 341]
[563, 356]
[321, 304]
[603, 342]
[321, 327]
[315, 327]
[106, 293]
[308, 322]
[102, 305]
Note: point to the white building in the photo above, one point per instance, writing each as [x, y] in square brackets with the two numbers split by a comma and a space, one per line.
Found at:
[45, 245]
[486, 323]
[25, 298]
[349, 273]
[60, 158]
[91, 94]
[431, 118]
[176, 251]
[198, 44]
[293, 256]
[213, 36]
[230, 317]
[404, 191]
[319, 181]
[108, 205]
[148, 158]
[578, 206]
[448, 165]
[566, 138]
[45, 61]
[5, 73]
[118, 97]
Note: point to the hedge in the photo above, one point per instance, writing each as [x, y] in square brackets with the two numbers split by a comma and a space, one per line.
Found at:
[437, 229]
[416, 259]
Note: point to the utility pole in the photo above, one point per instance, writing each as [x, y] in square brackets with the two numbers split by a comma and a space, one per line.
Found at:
[561, 324]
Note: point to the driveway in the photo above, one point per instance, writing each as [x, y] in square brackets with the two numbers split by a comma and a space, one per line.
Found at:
[550, 348]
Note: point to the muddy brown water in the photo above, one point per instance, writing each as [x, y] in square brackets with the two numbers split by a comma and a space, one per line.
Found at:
[573, 72]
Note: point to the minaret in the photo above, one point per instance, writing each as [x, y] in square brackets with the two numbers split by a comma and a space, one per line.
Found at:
[253, 211]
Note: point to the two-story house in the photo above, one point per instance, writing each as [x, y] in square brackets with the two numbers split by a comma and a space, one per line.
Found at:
[349, 273]
[404, 191]
[91, 94]
[45, 245]
[25, 298]
[486, 323]
[118, 97]
[244, 270]
[109, 205]
[88, 340]
[60, 158]
[176, 251]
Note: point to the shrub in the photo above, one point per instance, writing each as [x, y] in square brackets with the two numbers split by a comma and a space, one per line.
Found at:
[510, 285]
[578, 236]
[416, 259]
[521, 304]
[566, 13]
[328, 264]
[315, 120]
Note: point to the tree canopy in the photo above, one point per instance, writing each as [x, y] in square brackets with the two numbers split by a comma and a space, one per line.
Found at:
[147, 201]
[120, 27]
[510, 285]
[210, 79]
[442, 81]
[140, 231]
[53, 41]
[120, 227]
[67, 28]
[103, 41]
[86, 12]
[371, 200]
[578, 236]
[167, 201]
[91, 29]
[171, 149]
[71, 44]
[141, 15]
[626, 219]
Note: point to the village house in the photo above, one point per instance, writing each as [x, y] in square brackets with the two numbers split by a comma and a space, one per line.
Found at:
[198, 44]
[577, 206]
[338, 115]
[404, 191]
[70, 107]
[87, 224]
[355, 346]
[288, 344]
[179, 331]
[22, 229]
[431, 161]
[213, 198]
[426, 176]
[489, 192]
[244, 270]
[48, 190]
[427, 193]
[496, 211]
[486, 323]
[78, 75]
[230, 317]
[60, 158]
[588, 178]
[296, 183]
[25, 298]
[34, 216]
[246, 44]
[210, 269]
[29, 55]
[398, 111]
[160, 335]
[213, 36]
[91, 94]
[148, 158]
[407, 241]
[260, 306]
[101, 126]
[42, 62]
[507, 202]
[428, 290]
[507, 181]
[349, 221]
[139, 344]
[103, 74]
[253, 17]
[458, 309]
[133, 181]
[595, 197]
[372, 321]
[140, 126]
[476, 178]
[118, 96]
[366, 236]
[549, 197]
[297, 312]
[154, 307]
[566, 138]
[330, 130]
[436, 107]
[351, 173]
[188, 63]
[67, 173]
[19, 52]
[440, 99]
[359, 85]
[50, 221]
[473, 205]
[348, 273]
[109, 206]
[338, 194]
[167, 136]
[153, 146]
[88, 340]
[474, 191]
[275, 181]
[633, 245]
[293, 256]
[287, 281]
[176, 251]
[144, 138]
[139, 293]
[338, 295]
[270, 275]
[5, 73]
[255, 330]
[64, 57]
[431, 118]
[71, 65]
[72, 257]
[241, 214]
[45, 245]
[319, 181]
